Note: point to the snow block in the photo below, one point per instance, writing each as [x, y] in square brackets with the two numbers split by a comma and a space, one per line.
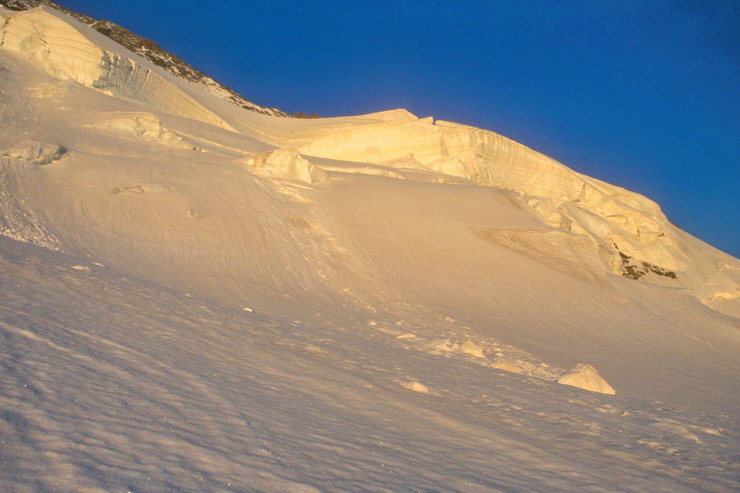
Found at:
[287, 164]
[586, 377]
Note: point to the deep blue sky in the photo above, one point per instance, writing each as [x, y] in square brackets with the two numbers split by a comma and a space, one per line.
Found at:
[640, 93]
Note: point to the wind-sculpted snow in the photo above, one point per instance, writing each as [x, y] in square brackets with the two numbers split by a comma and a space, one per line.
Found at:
[114, 384]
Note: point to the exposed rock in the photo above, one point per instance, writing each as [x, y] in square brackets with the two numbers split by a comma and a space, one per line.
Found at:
[635, 270]
[35, 152]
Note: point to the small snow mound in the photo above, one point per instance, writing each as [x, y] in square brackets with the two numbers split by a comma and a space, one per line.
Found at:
[288, 164]
[586, 377]
[416, 387]
[35, 152]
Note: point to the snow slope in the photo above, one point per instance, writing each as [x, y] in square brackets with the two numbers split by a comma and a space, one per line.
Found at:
[115, 384]
[246, 302]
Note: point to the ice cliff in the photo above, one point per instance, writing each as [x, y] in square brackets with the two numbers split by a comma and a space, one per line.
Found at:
[632, 235]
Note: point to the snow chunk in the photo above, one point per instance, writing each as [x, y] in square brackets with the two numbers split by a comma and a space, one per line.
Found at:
[288, 164]
[586, 377]
[416, 387]
[473, 349]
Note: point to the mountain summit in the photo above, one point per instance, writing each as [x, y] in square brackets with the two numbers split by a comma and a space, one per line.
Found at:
[200, 291]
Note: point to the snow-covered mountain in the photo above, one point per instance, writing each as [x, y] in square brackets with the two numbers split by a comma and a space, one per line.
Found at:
[393, 287]
[150, 50]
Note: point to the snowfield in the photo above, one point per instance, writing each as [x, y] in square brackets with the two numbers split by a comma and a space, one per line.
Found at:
[115, 384]
[199, 297]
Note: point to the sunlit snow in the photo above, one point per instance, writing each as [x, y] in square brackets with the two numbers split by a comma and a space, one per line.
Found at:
[199, 297]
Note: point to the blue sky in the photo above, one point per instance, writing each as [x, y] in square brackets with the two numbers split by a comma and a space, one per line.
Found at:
[643, 94]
